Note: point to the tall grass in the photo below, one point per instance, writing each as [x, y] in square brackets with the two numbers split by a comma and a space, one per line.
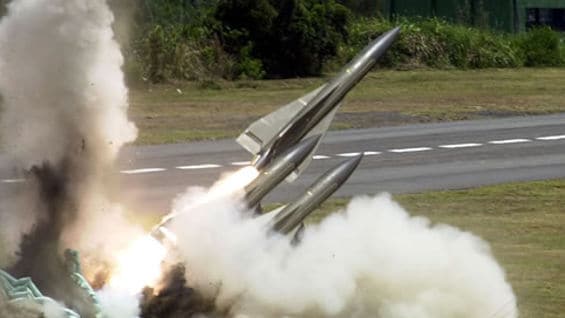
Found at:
[438, 44]
[193, 52]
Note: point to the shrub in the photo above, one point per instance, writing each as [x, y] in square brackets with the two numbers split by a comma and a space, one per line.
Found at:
[436, 43]
[287, 37]
[175, 52]
[540, 47]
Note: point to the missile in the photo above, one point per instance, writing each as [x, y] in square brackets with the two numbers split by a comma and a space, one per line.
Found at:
[278, 170]
[292, 215]
[312, 113]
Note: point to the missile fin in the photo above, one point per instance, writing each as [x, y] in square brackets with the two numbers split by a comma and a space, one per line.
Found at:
[262, 131]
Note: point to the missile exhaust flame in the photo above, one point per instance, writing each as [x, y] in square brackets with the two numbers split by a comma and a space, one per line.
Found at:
[233, 182]
[138, 266]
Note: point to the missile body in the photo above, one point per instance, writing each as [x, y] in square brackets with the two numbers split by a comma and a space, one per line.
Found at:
[276, 171]
[312, 109]
[293, 214]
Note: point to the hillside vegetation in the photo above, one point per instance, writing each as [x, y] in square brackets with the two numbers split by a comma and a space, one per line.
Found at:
[251, 39]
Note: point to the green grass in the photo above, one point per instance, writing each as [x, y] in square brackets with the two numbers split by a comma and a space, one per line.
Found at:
[523, 222]
[383, 98]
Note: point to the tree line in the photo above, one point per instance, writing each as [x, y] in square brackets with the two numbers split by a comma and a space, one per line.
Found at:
[205, 40]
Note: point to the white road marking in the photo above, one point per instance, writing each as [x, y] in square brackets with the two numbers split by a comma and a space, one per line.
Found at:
[241, 163]
[145, 170]
[559, 137]
[456, 146]
[371, 153]
[404, 150]
[13, 180]
[196, 167]
[348, 154]
[508, 141]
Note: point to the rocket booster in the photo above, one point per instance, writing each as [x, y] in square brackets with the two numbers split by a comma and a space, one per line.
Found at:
[276, 171]
[293, 214]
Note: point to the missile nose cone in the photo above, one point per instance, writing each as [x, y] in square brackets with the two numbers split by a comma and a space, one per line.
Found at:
[383, 43]
[346, 168]
[306, 147]
[391, 35]
[290, 216]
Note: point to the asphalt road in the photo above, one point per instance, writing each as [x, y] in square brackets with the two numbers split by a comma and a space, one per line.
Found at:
[398, 159]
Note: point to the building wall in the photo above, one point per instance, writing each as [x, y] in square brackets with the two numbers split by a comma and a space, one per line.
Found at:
[412, 7]
[504, 15]
[500, 14]
[522, 5]
[497, 14]
[451, 10]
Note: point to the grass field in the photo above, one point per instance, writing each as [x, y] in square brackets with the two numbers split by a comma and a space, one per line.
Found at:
[523, 222]
[188, 111]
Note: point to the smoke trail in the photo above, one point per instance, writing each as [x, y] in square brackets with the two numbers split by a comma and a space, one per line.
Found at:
[116, 304]
[371, 260]
[63, 122]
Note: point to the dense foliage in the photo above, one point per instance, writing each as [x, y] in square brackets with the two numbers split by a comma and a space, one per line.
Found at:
[205, 40]
[541, 47]
[289, 37]
[437, 43]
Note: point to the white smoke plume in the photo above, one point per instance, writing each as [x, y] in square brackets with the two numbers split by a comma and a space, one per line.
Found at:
[371, 260]
[30, 309]
[64, 119]
[53, 310]
[64, 102]
[118, 304]
[61, 74]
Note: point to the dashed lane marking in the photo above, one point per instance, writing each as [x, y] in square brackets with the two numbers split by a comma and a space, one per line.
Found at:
[145, 170]
[197, 167]
[508, 141]
[13, 180]
[371, 153]
[241, 163]
[348, 154]
[405, 150]
[457, 146]
[558, 137]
